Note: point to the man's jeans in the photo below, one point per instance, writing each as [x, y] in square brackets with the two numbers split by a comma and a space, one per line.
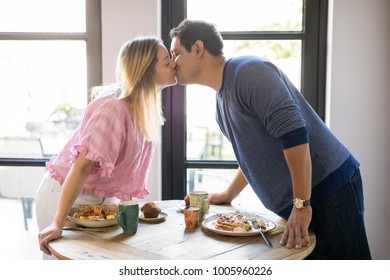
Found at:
[339, 225]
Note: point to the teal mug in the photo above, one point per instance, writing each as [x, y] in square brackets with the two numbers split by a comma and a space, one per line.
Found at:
[127, 216]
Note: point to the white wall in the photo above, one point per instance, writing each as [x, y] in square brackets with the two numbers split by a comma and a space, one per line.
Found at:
[359, 83]
[359, 103]
[123, 20]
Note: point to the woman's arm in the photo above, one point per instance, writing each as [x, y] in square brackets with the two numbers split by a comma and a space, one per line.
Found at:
[70, 190]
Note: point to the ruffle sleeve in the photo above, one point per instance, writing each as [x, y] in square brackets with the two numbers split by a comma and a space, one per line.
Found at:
[51, 167]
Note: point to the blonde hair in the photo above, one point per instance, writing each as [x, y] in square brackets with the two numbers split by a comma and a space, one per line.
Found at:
[135, 74]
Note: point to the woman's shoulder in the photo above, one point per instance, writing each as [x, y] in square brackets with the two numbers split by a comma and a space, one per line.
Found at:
[108, 107]
[109, 100]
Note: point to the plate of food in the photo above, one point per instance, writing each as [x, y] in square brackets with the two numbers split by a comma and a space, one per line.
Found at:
[237, 224]
[151, 212]
[94, 215]
[161, 216]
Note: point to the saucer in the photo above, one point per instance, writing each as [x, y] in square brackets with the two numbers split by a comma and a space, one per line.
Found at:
[159, 218]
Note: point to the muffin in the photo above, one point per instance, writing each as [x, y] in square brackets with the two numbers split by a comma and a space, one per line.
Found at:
[150, 210]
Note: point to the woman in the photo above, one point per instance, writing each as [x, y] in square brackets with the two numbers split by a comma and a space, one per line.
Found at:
[108, 157]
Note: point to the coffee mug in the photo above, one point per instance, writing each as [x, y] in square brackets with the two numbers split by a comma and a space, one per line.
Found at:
[127, 216]
[200, 199]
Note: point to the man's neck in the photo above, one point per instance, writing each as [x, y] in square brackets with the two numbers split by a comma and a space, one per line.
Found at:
[213, 74]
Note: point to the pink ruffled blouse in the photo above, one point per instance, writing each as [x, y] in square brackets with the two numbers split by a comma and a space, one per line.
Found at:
[109, 136]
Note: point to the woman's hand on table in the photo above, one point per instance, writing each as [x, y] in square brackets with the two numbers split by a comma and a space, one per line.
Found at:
[52, 232]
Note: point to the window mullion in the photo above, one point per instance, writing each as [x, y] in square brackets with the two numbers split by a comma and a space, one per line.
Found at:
[42, 36]
[263, 35]
[23, 161]
[215, 164]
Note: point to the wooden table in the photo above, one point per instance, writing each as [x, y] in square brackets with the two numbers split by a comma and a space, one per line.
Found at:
[170, 240]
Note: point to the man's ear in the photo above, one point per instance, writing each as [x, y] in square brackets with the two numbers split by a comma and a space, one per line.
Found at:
[199, 47]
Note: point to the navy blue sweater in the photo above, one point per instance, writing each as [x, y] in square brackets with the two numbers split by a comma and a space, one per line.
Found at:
[261, 112]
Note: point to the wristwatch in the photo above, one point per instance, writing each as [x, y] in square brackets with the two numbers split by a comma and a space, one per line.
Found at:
[300, 203]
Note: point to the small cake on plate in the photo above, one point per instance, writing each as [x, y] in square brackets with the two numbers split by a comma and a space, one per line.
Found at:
[150, 210]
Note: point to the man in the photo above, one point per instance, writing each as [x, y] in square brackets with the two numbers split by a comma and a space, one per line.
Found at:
[293, 162]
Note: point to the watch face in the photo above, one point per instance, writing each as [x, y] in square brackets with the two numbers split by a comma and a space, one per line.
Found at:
[298, 203]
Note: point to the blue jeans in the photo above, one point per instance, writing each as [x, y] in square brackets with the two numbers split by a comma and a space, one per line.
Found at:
[339, 224]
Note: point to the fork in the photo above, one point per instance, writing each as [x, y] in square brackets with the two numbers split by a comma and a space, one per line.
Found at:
[263, 234]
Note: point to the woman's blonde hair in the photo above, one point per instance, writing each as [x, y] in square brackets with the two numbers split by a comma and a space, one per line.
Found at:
[135, 74]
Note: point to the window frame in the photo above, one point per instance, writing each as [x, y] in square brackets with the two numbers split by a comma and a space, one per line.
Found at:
[313, 81]
[92, 37]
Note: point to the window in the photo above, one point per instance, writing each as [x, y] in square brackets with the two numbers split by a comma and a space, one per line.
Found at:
[291, 33]
[50, 55]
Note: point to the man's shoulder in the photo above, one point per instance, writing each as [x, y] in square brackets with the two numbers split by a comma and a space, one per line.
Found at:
[247, 67]
[249, 64]
[247, 60]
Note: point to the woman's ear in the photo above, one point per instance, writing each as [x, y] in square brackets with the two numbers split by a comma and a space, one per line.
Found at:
[199, 47]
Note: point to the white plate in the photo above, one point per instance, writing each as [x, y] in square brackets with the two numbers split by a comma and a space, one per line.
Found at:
[209, 223]
[159, 218]
[181, 206]
[93, 223]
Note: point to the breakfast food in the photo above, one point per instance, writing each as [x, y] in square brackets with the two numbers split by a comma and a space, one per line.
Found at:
[232, 222]
[236, 222]
[150, 210]
[261, 224]
[96, 213]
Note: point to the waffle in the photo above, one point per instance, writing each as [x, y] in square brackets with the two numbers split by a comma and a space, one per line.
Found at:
[232, 222]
